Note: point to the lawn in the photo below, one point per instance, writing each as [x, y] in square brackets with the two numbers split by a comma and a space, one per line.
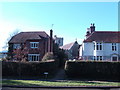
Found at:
[58, 83]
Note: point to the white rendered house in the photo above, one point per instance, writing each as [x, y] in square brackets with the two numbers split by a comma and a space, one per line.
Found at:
[100, 45]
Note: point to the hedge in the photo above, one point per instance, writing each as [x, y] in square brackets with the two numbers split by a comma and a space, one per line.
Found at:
[28, 68]
[93, 69]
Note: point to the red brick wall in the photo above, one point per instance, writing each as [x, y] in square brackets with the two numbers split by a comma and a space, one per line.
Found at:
[42, 49]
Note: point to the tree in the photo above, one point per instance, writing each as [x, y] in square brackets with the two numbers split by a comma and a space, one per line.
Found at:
[60, 55]
[20, 54]
[16, 31]
[48, 56]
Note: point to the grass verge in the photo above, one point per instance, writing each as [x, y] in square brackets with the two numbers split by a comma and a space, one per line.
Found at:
[58, 83]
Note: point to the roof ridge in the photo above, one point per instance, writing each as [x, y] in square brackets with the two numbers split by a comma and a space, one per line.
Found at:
[23, 36]
[106, 36]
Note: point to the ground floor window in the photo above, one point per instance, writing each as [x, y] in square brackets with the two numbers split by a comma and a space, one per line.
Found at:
[33, 57]
[114, 58]
[98, 58]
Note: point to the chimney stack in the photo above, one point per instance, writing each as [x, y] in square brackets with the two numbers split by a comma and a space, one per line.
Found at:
[51, 40]
[90, 30]
[92, 27]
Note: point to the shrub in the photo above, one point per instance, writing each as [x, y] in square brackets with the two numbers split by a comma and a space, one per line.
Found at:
[28, 68]
[93, 69]
[48, 56]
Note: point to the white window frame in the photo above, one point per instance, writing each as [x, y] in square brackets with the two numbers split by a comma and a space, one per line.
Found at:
[16, 46]
[98, 46]
[98, 58]
[34, 44]
[33, 57]
[114, 47]
[114, 56]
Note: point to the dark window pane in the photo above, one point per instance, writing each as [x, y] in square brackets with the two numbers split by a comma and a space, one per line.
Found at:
[114, 58]
[97, 47]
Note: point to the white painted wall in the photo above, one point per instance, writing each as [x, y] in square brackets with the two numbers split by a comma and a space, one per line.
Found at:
[87, 49]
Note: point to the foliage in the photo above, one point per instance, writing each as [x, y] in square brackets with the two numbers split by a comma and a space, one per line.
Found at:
[20, 54]
[93, 69]
[28, 68]
[60, 55]
[48, 56]
[16, 31]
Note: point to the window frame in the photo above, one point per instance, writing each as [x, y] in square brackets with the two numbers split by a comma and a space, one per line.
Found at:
[98, 46]
[34, 44]
[16, 46]
[114, 47]
[98, 58]
[33, 57]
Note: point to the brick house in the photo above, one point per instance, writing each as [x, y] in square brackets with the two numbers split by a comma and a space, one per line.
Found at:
[30, 45]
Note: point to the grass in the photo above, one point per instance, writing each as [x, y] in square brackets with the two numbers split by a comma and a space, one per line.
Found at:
[58, 83]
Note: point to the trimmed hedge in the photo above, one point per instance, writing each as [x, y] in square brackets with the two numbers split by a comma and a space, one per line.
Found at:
[93, 69]
[28, 68]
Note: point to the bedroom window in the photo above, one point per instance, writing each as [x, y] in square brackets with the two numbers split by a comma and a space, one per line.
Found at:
[16, 46]
[34, 44]
[98, 46]
[114, 47]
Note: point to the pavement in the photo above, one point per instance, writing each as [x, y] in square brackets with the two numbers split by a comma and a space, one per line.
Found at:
[59, 76]
[57, 89]
[6, 87]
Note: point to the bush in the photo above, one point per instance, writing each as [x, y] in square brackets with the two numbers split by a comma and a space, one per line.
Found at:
[93, 69]
[28, 68]
[48, 56]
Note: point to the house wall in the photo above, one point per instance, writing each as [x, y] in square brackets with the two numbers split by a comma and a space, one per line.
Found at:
[87, 51]
[73, 52]
[42, 49]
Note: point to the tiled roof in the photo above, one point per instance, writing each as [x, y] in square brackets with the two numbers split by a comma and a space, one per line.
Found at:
[104, 36]
[23, 36]
[67, 46]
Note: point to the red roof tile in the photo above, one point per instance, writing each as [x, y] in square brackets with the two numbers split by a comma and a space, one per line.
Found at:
[23, 36]
[104, 36]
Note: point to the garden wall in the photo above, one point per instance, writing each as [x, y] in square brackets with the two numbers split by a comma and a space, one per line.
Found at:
[93, 69]
[28, 68]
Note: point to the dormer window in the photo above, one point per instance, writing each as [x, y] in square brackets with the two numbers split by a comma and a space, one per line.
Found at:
[34, 44]
[114, 47]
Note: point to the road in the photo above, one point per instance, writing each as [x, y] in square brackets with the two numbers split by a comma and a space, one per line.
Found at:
[9, 88]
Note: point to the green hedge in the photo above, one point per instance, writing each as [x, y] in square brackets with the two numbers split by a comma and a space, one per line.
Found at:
[93, 69]
[28, 68]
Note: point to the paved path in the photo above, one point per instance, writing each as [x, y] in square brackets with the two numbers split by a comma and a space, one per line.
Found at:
[60, 75]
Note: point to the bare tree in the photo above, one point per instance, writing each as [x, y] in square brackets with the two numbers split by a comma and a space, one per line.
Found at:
[16, 31]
